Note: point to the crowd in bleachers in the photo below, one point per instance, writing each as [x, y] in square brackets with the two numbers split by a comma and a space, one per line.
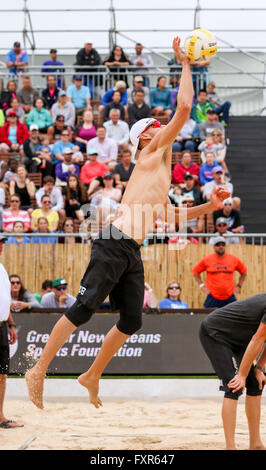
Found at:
[61, 150]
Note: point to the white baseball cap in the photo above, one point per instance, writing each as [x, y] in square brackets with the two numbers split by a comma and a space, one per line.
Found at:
[136, 130]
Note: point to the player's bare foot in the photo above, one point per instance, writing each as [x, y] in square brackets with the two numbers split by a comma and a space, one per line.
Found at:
[92, 385]
[34, 380]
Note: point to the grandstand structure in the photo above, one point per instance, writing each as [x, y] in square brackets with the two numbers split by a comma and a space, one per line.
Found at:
[238, 70]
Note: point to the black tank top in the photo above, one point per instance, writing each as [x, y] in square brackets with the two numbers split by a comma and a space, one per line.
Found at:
[25, 198]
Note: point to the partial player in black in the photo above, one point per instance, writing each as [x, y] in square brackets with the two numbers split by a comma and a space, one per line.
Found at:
[225, 334]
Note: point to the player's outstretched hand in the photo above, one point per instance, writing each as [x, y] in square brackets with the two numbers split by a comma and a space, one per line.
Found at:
[180, 56]
[218, 195]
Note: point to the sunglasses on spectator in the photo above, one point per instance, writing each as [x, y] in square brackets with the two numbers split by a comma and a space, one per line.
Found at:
[15, 282]
[46, 202]
[61, 288]
[173, 287]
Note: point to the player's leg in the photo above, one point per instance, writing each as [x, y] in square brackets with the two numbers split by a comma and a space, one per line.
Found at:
[253, 411]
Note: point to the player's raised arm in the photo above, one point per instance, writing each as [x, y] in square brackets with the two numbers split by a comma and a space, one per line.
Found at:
[168, 133]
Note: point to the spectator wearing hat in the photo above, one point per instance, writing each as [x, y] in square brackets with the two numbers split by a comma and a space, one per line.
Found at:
[218, 180]
[142, 61]
[13, 134]
[185, 166]
[55, 130]
[221, 226]
[107, 149]
[210, 124]
[172, 299]
[79, 95]
[59, 297]
[189, 187]
[138, 85]
[27, 94]
[54, 66]
[16, 59]
[117, 130]
[30, 147]
[139, 109]
[220, 267]
[196, 225]
[89, 58]
[64, 108]
[51, 92]
[40, 116]
[160, 99]
[66, 168]
[123, 170]
[115, 104]
[93, 171]
[232, 215]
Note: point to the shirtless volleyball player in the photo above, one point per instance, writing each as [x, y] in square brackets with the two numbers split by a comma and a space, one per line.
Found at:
[115, 267]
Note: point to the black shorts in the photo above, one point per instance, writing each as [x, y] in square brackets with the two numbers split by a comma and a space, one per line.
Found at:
[4, 349]
[226, 361]
[115, 269]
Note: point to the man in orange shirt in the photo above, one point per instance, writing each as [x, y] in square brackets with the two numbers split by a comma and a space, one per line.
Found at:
[220, 267]
[92, 172]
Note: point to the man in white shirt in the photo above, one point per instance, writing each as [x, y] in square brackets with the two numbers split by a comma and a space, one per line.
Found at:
[7, 326]
[218, 180]
[117, 130]
[106, 147]
[143, 61]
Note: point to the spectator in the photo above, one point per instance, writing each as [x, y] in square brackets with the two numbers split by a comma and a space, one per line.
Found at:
[60, 145]
[30, 147]
[55, 130]
[46, 287]
[197, 224]
[150, 300]
[218, 180]
[92, 171]
[54, 193]
[66, 168]
[75, 195]
[107, 98]
[44, 160]
[206, 170]
[27, 94]
[221, 108]
[2, 203]
[14, 213]
[190, 187]
[89, 57]
[79, 95]
[106, 200]
[51, 92]
[64, 108]
[200, 108]
[13, 134]
[53, 62]
[232, 215]
[221, 225]
[116, 62]
[15, 106]
[210, 124]
[187, 137]
[220, 268]
[160, 99]
[45, 211]
[8, 94]
[185, 166]
[43, 227]
[11, 172]
[172, 299]
[115, 104]
[106, 148]
[40, 116]
[219, 140]
[68, 227]
[16, 59]
[139, 109]
[117, 130]
[123, 170]
[59, 297]
[175, 193]
[208, 145]
[138, 85]
[24, 187]
[142, 60]
[85, 131]
[21, 298]
[18, 227]
[199, 75]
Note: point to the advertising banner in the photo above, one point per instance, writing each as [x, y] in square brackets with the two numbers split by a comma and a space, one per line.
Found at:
[166, 344]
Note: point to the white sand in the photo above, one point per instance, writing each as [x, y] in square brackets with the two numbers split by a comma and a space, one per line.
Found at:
[68, 424]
